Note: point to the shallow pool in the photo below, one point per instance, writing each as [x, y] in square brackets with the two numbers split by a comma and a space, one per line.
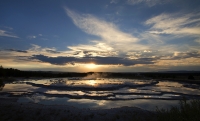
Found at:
[101, 93]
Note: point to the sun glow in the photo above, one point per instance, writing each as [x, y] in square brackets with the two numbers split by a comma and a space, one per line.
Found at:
[91, 66]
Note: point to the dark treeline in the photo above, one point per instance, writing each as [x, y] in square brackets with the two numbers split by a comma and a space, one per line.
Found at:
[157, 75]
[10, 72]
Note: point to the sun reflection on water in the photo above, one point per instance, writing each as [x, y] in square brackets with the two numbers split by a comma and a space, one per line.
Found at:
[92, 83]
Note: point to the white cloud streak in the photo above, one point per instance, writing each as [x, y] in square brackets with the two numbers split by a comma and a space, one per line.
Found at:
[149, 3]
[31, 37]
[109, 33]
[97, 47]
[175, 24]
[4, 33]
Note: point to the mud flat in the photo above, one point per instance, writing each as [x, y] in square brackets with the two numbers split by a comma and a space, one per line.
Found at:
[11, 110]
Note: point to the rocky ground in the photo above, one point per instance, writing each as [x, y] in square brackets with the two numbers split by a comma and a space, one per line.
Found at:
[10, 110]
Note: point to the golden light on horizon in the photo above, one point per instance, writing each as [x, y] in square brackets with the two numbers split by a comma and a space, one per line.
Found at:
[91, 66]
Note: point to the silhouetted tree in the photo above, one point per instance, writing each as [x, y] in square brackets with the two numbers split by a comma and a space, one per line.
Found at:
[2, 71]
[1, 80]
[1, 84]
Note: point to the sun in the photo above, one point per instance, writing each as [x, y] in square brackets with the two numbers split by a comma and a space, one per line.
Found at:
[91, 66]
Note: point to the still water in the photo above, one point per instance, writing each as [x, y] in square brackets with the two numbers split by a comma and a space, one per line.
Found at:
[101, 93]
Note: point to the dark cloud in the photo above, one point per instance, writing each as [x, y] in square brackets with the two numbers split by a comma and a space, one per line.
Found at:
[52, 51]
[88, 53]
[76, 53]
[119, 60]
[96, 60]
[95, 53]
[185, 55]
[54, 60]
[24, 58]
[21, 51]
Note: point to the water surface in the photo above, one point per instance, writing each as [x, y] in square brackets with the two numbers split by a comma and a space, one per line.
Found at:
[101, 93]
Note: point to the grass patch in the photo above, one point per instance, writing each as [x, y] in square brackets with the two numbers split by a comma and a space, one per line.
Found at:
[186, 111]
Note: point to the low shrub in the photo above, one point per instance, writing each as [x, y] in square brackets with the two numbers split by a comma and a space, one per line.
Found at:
[186, 111]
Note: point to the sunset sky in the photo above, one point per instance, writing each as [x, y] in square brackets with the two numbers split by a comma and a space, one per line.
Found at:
[100, 35]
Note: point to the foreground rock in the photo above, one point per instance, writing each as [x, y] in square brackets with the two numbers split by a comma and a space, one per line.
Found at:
[10, 110]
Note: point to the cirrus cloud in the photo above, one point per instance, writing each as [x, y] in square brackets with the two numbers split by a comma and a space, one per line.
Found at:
[4, 33]
[108, 32]
[150, 3]
[184, 25]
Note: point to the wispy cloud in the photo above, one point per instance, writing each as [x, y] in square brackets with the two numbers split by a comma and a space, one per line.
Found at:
[94, 47]
[14, 50]
[150, 3]
[31, 37]
[39, 36]
[97, 49]
[182, 55]
[175, 24]
[4, 33]
[94, 26]
[109, 33]
[114, 1]
[51, 52]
